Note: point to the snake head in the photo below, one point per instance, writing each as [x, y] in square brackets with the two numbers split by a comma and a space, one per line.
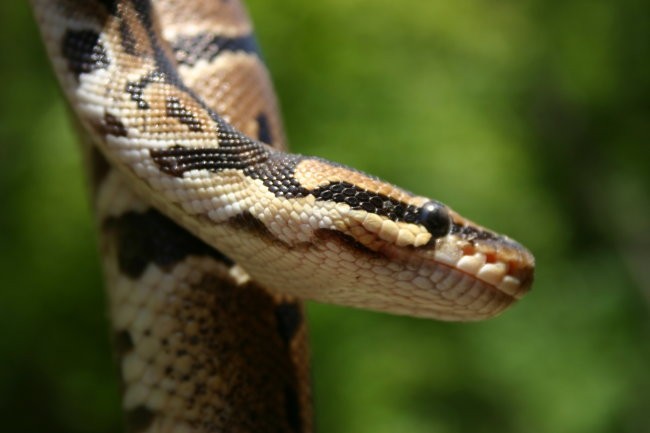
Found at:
[369, 244]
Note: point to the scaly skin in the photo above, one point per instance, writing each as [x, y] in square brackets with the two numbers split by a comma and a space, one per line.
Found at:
[170, 94]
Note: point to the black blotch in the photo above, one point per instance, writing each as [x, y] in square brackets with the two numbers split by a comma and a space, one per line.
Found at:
[151, 237]
[139, 418]
[293, 409]
[123, 343]
[289, 317]
[263, 129]
[113, 126]
[188, 50]
[435, 218]
[174, 108]
[83, 51]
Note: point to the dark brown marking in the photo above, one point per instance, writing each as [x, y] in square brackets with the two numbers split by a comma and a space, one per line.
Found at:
[139, 419]
[246, 221]
[83, 51]
[151, 237]
[327, 234]
[264, 129]
[123, 343]
[114, 125]
[289, 318]
[111, 126]
[174, 108]
[293, 409]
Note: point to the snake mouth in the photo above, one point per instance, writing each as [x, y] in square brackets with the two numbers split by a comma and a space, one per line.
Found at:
[464, 280]
[503, 264]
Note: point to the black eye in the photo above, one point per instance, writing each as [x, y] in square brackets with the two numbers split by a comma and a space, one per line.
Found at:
[435, 218]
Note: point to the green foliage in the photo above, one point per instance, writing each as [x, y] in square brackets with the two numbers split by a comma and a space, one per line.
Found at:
[530, 117]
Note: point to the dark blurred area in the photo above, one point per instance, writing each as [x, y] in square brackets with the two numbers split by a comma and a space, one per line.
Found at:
[530, 117]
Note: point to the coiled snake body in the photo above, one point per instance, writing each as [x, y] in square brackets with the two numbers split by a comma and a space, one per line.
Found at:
[211, 234]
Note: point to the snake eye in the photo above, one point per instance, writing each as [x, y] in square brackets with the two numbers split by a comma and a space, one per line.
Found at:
[435, 218]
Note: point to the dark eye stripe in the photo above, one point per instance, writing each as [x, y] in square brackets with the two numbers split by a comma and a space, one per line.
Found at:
[361, 199]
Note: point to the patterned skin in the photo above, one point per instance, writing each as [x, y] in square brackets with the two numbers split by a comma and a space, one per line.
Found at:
[180, 107]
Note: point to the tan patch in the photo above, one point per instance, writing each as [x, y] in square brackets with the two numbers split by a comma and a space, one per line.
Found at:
[222, 17]
[238, 87]
[159, 122]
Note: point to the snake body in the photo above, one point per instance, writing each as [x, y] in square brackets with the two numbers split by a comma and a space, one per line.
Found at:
[212, 234]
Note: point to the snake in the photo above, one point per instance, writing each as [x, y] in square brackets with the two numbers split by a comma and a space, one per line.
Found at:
[212, 235]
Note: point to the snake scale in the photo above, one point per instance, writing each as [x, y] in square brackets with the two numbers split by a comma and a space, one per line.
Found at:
[212, 235]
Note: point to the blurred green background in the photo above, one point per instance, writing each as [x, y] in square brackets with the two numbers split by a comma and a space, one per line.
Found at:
[531, 117]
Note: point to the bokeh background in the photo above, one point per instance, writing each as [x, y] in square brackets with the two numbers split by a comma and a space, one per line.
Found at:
[530, 116]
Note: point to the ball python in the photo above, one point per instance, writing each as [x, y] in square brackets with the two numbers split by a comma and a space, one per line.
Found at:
[212, 234]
